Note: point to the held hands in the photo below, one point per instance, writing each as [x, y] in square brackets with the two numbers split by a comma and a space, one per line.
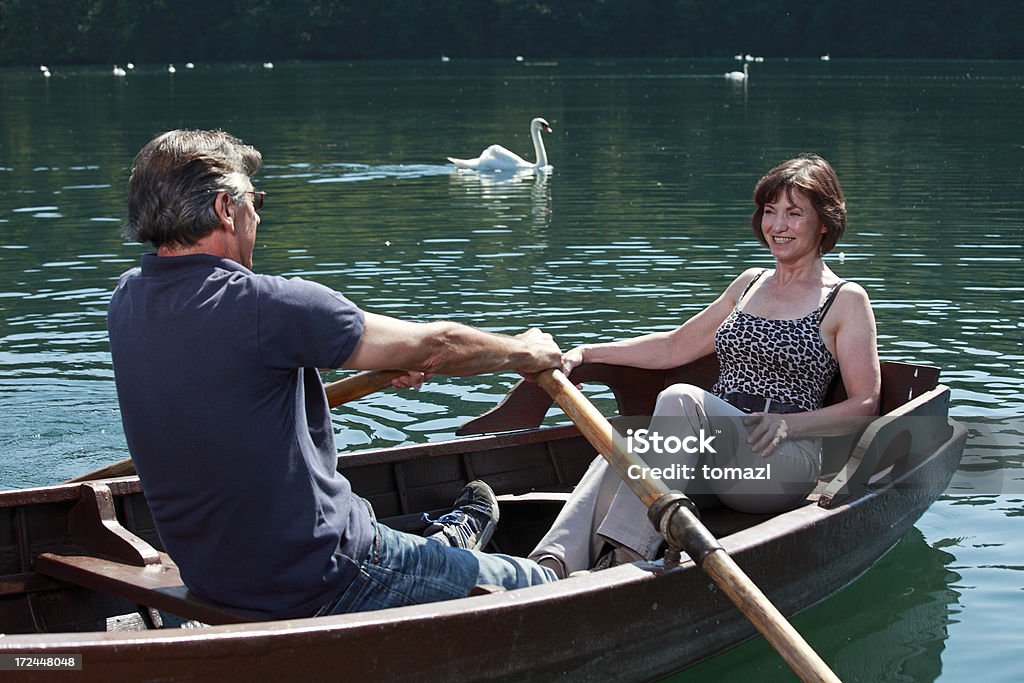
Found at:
[532, 352]
[542, 352]
[767, 432]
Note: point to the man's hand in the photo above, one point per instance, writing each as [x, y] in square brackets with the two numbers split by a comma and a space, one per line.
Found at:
[413, 379]
[541, 353]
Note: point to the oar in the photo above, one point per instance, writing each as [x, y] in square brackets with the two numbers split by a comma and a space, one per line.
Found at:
[678, 523]
[342, 391]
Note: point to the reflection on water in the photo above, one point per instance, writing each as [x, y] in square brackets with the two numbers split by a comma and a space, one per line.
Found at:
[522, 196]
[993, 461]
[354, 173]
[901, 638]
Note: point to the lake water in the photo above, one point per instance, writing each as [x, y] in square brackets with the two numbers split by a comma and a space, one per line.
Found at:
[643, 220]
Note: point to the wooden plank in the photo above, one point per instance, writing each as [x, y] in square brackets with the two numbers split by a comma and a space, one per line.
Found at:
[120, 563]
[902, 382]
[94, 525]
[26, 582]
[155, 585]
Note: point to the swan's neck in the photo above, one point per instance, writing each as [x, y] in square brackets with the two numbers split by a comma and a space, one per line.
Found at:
[540, 153]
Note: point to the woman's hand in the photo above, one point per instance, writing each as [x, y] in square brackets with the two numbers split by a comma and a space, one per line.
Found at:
[767, 432]
[572, 358]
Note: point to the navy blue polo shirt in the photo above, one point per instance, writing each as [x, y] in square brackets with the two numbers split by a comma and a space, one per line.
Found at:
[227, 421]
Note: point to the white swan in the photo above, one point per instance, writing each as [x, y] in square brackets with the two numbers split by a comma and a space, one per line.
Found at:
[738, 75]
[118, 71]
[497, 158]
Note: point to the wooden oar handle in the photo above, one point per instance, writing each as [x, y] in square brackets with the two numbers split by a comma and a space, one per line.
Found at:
[121, 468]
[341, 391]
[359, 385]
[719, 566]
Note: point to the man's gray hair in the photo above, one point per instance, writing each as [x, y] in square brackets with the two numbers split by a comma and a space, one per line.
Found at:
[175, 180]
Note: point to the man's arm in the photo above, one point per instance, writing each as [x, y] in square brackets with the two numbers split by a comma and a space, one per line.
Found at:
[448, 348]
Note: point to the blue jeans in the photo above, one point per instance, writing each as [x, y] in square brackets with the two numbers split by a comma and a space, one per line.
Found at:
[405, 569]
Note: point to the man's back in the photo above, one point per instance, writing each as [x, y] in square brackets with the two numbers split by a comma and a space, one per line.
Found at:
[225, 416]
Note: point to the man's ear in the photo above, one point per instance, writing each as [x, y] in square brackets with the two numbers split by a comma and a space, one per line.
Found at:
[225, 209]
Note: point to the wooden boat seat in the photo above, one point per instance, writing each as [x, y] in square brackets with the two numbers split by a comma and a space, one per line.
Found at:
[109, 559]
[913, 410]
[899, 440]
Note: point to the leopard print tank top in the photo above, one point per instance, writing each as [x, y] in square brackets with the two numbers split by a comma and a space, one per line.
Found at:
[784, 360]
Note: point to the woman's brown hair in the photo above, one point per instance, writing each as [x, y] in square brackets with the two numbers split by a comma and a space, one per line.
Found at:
[816, 178]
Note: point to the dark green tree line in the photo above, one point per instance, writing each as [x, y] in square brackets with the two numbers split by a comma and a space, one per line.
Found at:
[107, 31]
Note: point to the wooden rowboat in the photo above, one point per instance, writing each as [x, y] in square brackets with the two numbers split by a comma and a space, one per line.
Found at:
[81, 568]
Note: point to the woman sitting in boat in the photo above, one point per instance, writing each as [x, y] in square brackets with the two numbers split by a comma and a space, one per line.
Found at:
[780, 335]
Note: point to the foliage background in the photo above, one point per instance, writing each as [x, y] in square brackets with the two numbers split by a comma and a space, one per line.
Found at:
[116, 31]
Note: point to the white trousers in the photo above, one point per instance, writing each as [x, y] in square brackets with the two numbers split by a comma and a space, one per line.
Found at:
[603, 509]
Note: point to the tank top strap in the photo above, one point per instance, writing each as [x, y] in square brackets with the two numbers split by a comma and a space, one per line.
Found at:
[829, 299]
[749, 285]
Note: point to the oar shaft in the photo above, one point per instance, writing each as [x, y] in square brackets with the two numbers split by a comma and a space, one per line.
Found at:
[342, 391]
[779, 633]
[804, 661]
[599, 432]
[121, 468]
[359, 385]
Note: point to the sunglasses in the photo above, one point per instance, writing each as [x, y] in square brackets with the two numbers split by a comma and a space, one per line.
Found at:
[258, 196]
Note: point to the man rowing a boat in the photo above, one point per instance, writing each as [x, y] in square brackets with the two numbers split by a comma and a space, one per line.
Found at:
[226, 416]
